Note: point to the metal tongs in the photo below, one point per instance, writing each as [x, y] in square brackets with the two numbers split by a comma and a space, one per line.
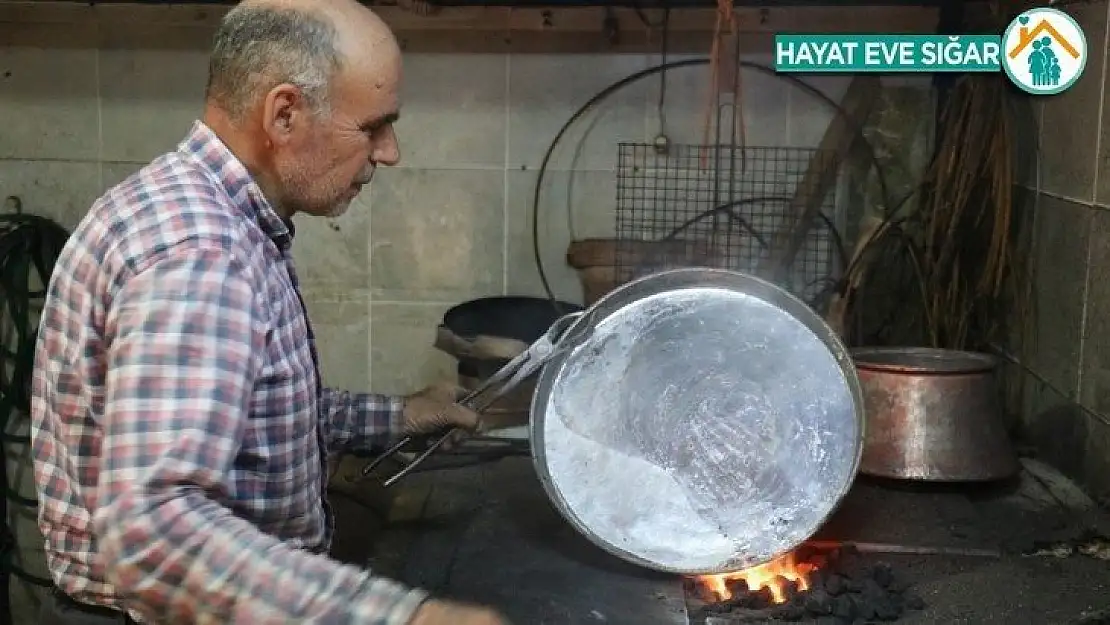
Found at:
[507, 378]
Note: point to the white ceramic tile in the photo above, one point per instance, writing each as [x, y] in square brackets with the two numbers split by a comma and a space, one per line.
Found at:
[48, 91]
[573, 206]
[403, 359]
[437, 235]
[689, 100]
[341, 320]
[545, 90]
[335, 252]
[61, 190]
[453, 110]
[152, 88]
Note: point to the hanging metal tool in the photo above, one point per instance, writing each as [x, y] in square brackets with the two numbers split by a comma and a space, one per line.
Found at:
[563, 334]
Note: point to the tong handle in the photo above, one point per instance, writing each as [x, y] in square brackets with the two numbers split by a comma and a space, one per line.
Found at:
[505, 380]
[408, 467]
[388, 453]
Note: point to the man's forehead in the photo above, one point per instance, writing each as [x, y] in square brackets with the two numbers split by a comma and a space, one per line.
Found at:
[369, 101]
[368, 82]
[377, 69]
[376, 81]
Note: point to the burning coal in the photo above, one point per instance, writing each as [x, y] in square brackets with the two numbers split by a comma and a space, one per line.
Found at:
[834, 585]
[779, 580]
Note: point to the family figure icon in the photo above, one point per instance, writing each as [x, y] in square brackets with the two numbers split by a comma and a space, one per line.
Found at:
[1046, 51]
[1044, 67]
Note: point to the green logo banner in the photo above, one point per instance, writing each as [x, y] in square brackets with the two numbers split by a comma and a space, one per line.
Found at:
[888, 53]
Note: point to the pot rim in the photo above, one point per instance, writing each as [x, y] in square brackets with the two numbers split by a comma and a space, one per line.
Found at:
[923, 360]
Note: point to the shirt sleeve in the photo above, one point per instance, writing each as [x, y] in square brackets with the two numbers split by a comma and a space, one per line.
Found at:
[361, 420]
[185, 336]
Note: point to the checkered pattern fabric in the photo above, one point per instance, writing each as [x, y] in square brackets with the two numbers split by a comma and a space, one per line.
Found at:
[180, 432]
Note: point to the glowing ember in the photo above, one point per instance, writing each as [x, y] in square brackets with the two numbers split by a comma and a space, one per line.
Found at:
[836, 584]
[773, 576]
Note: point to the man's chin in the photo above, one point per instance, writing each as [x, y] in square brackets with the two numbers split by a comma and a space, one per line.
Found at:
[338, 209]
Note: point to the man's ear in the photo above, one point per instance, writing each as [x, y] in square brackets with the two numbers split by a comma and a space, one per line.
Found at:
[283, 112]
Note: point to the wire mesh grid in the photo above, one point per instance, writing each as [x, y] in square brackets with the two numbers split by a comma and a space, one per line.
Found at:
[722, 206]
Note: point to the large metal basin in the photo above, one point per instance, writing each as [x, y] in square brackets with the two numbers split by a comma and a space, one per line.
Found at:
[710, 422]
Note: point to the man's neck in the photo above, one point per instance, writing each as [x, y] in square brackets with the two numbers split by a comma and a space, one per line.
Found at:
[245, 148]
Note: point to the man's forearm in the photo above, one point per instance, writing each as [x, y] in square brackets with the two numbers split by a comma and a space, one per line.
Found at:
[188, 559]
[361, 420]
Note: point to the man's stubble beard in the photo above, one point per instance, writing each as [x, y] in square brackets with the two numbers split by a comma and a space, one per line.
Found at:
[298, 182]
[339, 209]
[364, 180]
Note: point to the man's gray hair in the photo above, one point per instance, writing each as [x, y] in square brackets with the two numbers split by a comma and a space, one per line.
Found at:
[258, 47]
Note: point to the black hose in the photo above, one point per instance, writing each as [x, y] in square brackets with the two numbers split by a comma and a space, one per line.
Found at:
[29, 245]
[856, 126]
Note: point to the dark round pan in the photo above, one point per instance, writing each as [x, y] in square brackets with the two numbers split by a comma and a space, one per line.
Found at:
[512, 317]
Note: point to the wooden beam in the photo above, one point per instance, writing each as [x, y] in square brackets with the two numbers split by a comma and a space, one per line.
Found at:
[501, 19]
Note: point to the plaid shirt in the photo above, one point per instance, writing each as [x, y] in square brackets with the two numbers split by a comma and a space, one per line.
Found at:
[180, 432]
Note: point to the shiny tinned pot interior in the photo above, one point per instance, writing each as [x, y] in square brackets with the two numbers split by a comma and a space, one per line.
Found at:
[708, 421]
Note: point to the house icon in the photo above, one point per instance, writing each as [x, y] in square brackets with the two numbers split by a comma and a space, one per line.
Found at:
[1027, 36]
[1044, 51]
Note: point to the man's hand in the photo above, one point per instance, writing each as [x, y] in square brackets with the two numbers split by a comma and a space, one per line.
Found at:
[434, 409]
[449, 613]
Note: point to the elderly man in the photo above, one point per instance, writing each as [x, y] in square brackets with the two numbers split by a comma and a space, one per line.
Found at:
[180, 430]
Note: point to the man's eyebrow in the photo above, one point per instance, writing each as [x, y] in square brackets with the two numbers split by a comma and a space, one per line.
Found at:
[384, 120]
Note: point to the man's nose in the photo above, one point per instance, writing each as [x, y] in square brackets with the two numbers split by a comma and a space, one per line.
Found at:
[386, 150]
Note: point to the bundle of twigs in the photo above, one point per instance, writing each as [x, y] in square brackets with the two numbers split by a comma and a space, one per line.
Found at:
[967, 238]
[961, 282]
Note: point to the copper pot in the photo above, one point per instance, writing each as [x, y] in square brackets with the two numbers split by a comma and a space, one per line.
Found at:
[932, 414]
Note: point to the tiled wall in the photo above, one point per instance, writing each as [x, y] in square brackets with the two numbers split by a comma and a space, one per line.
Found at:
[87, 101]
[1067, 405]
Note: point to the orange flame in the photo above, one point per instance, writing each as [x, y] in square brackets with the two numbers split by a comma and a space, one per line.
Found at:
[772, 576]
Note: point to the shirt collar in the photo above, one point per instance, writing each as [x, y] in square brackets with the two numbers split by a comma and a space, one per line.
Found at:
[207, 149]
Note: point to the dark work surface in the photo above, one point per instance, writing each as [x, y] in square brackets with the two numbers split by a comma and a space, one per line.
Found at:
[1008, 591]
[489, 534]
[1007, 518]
